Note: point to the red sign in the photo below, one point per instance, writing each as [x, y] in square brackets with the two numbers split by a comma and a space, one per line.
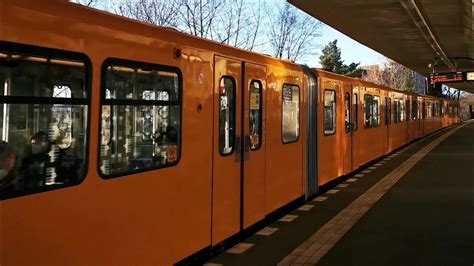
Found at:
[446, 77]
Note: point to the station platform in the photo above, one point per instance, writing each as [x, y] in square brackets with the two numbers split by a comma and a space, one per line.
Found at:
[414, 207]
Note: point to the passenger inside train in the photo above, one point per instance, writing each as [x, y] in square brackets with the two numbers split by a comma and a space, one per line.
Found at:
[7, 163]
[42, 122]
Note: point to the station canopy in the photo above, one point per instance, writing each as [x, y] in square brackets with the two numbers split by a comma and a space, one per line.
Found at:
[415, 33]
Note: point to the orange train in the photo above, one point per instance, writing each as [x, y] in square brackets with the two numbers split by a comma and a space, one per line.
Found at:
[129, 144]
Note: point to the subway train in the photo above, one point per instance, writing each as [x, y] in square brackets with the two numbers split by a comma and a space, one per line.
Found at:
[129, 144]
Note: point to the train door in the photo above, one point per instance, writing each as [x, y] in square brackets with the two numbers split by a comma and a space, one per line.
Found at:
[416, 116]
[355, 127]
[388, 121]
[227, 153]
[347, 139]
[239, 150]
[409, 119]
[253, 144]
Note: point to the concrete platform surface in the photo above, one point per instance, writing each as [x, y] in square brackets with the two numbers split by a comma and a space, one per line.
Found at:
[413, 208]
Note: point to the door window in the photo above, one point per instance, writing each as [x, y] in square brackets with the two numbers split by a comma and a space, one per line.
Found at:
[356, 111]
[329, 112]
[226, 115]
[290, 113]
[388, 111]
[347, 111]
[255, 116]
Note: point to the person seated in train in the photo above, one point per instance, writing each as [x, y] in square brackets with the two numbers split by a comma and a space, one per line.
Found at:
[34, 166]
[7, 167]
[172, 135]
[47, 164]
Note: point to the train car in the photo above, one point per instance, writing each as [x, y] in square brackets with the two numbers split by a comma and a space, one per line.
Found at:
[129, 144]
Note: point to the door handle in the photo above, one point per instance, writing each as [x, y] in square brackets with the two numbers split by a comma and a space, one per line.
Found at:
[246, 147]
[247, 144]
[238, 149]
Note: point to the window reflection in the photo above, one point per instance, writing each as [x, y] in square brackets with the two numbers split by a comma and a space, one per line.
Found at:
[226, 115]
[255, 123]
[42, 141]
[290, 113]
[141, 118]
[329, 112]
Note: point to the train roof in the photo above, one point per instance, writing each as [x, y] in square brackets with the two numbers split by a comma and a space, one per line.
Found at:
[357, 81]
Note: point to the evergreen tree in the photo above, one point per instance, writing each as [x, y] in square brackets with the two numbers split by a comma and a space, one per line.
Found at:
[330, 60]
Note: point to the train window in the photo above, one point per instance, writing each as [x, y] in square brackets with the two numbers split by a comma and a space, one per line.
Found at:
[408, 110]
[255, 123]
[423, 110]
[347, 111]
[329, 112]
[402, 111]
[388, 111]
[290, 113]
[141, 117]
[414, 109]
[227, 115]
[355, 100]
[399, 109]
[371, 111]
[368, 110]
[43, 119]
[396, 109]
[429, 110]
[420, 110]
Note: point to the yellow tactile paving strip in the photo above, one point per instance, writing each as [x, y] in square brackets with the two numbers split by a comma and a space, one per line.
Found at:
[320, 198]
[267, 231]
[314, 248]
[240, 248]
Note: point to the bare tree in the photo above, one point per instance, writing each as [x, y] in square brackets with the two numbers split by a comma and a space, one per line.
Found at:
[466, 100]
[397, 76]
[233, 22]
[225, 21]
[252, 37]
[236, 26]
[157, 12]
[291, 33]
[373, 74]
[197, 17]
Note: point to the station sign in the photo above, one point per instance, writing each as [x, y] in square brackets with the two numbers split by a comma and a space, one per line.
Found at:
[452, 77]
[446, 77]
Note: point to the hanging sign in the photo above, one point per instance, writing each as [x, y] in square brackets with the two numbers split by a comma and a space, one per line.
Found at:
[446, 77]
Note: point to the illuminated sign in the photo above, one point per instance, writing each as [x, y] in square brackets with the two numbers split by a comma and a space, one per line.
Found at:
[446, 77]
[470, 76]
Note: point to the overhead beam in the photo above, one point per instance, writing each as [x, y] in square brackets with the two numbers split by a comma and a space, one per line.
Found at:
[412, 9]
